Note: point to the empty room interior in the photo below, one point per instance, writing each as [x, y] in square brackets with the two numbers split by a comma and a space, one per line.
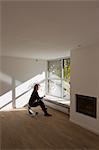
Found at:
[54, 44]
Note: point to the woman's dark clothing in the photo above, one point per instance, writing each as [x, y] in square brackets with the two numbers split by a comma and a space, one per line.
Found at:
[35, 100]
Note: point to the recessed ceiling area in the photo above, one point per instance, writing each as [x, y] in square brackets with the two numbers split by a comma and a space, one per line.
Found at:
[47, 30]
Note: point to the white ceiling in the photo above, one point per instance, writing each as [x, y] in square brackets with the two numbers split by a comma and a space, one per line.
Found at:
[47, 30]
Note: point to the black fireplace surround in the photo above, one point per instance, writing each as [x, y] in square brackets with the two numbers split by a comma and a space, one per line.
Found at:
[86, 105]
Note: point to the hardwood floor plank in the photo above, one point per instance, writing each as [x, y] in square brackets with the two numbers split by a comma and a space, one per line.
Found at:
[21, 131]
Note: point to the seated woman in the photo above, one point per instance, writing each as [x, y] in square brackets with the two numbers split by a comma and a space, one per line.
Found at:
[36, 100]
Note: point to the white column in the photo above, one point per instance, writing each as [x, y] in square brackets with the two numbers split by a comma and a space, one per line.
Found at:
[46, 79]
[62, 77]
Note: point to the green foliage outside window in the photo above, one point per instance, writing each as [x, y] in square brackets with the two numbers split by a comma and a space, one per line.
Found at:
[67, 69]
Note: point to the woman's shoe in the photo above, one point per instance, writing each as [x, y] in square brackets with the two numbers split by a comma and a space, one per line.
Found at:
[47, 114]
[30, 111]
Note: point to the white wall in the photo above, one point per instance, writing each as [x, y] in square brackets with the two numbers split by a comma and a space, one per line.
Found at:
[85, 81]
[18, 70]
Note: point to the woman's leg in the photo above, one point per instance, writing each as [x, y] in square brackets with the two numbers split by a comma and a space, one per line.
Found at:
[42, 105]
[44, 108]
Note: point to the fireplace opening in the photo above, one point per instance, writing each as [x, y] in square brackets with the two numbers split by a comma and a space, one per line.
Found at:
[86, 105]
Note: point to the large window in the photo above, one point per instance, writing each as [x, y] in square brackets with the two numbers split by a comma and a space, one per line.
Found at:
[54, 78]
[59, 78]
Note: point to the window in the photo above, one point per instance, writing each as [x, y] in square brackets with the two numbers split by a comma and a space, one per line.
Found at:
[54, 69]
[54, 78]
[59, 78]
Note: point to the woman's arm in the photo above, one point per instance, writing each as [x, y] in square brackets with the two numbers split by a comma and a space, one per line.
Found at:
[38, 97]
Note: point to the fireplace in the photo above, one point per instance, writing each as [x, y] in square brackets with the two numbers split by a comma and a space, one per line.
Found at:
[86, 105]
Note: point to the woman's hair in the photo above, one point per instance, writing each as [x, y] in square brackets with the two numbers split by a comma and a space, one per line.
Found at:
[36, 86]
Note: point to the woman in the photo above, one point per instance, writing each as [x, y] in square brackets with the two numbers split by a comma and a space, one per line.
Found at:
[36, 100]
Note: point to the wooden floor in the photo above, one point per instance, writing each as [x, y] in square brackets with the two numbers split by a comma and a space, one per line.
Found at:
[18, 130]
